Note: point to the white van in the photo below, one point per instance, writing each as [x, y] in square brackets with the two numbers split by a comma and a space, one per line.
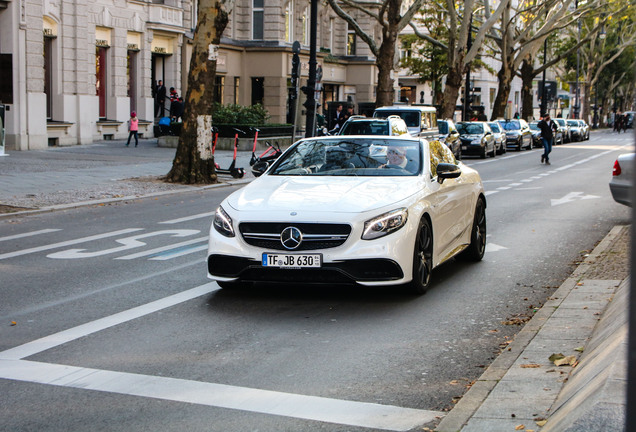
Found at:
[420, 120]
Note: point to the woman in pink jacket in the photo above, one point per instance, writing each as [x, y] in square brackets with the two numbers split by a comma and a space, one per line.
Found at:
[133, 127]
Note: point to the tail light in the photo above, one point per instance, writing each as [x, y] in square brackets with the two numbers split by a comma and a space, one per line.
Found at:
[617, 169]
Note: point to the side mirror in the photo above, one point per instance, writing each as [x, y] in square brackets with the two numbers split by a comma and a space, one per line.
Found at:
[447, 171]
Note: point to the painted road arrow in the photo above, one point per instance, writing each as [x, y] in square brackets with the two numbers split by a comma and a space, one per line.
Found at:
[572, 196]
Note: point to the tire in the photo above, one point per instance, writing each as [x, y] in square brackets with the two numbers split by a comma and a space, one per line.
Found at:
[475, 251]
[422, 259]
[483, 153]
[234, 285]
[493, 152]
[518, 147]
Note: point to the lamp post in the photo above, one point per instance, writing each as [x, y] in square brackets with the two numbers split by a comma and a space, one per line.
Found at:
[543, 92]
[310, 89]
[578, 55]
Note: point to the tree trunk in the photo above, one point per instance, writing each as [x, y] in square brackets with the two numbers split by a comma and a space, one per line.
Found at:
[194, 162]
[585, 111]
[451, 91]
[503, 91]
[385, 91]
[527, 77]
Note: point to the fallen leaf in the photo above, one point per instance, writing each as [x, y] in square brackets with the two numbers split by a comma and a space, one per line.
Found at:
[530, 366]
[579, 349]
[566, 361]
[541, 423]
[555, 357]
[454, 382]
[520, 427]
[14, 323]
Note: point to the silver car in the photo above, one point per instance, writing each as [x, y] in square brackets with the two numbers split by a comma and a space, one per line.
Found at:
[623, 179]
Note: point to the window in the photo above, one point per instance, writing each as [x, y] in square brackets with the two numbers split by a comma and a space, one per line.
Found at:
[351, 41]
[257, 19]
[331, 24]
[305, 20]
[237, 82]
[289, 24]
[219, 86]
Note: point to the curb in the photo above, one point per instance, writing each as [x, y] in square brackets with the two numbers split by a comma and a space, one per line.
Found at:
[125, 198]
[468, 405]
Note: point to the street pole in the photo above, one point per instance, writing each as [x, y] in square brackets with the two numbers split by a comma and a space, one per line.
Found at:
[543, 92]
[630, 411]
[467, 85]
[578, 55]
[310, 104]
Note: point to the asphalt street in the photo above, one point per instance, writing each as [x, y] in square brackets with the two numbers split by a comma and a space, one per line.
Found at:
[113, 297]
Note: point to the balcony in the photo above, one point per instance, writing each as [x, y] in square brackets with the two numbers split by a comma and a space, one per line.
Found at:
[165, 14]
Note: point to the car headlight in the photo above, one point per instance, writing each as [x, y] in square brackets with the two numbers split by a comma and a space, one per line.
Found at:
[477, 141]
[384, 224]
[223, 223]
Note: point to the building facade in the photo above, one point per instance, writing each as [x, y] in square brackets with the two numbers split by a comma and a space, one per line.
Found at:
[73, 70]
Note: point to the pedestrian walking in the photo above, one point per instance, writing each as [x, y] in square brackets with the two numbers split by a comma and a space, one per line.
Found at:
[133, 127]
[547, 127]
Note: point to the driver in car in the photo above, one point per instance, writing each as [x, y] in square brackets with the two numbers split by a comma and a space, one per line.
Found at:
[396, 157]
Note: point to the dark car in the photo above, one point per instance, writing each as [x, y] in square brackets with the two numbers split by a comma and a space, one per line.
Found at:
[500, 137]
[448, 135]
[477, 139]
[518, 134]
[536, 135]
[565, 129]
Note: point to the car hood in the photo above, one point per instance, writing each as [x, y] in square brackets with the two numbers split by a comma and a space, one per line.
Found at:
[322, 194]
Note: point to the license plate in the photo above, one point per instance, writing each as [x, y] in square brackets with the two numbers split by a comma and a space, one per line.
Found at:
[292, 260]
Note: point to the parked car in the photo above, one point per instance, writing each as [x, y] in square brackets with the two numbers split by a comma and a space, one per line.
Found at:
[629, 118]
[518, 134]
[499, 136]
[448, 135]
[477, 139]
[565, 129]
[622, 180]
[576, 134]
[421, 120]
[585, 129]
[350, 210]
[361, 125]
[536, 135]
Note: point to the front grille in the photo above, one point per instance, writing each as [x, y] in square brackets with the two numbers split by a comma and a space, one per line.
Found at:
[316, 236]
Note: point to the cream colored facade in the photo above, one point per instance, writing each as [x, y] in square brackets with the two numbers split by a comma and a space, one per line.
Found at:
[77, 68]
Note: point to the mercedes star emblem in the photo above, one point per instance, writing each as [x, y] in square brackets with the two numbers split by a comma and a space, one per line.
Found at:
[291, 237]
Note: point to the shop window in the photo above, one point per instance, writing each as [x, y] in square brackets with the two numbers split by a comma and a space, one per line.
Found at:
[131, 69]
[219, 86]
[351, 41]
[258, 90]
[48, 76]
[237, 84]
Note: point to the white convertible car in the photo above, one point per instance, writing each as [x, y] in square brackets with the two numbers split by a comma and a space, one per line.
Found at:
[367, 210]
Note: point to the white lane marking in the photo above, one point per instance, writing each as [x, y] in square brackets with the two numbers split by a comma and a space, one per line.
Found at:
[188, 218]
[504, 188]
[179, 253]
[127, 243]
[351, 413]
[491, 247]
[28, 234]
[491, 192]
[67, 243]
[162, 249]
[572, 196]
[48, 342]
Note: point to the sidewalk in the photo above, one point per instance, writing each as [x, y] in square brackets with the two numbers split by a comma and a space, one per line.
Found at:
[104, 171]
[586, 318]
[521, 390]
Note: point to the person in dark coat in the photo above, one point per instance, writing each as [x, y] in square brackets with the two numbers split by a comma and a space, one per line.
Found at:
[547, 127]
[160, 95]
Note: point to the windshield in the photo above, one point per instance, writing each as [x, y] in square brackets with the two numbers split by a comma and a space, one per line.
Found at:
[351, 157]
[470, 128]
[573, 123]
[561, 122]
[511, 125]
[534, 126]
[366, 127]
[495, 127]
[411, 118]
[443, 127]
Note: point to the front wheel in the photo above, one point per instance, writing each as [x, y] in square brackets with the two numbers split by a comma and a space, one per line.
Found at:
[477, 247]
[422, 258]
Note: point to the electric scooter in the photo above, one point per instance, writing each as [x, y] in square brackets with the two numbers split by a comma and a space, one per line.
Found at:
[232, 170]
[261, 163]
